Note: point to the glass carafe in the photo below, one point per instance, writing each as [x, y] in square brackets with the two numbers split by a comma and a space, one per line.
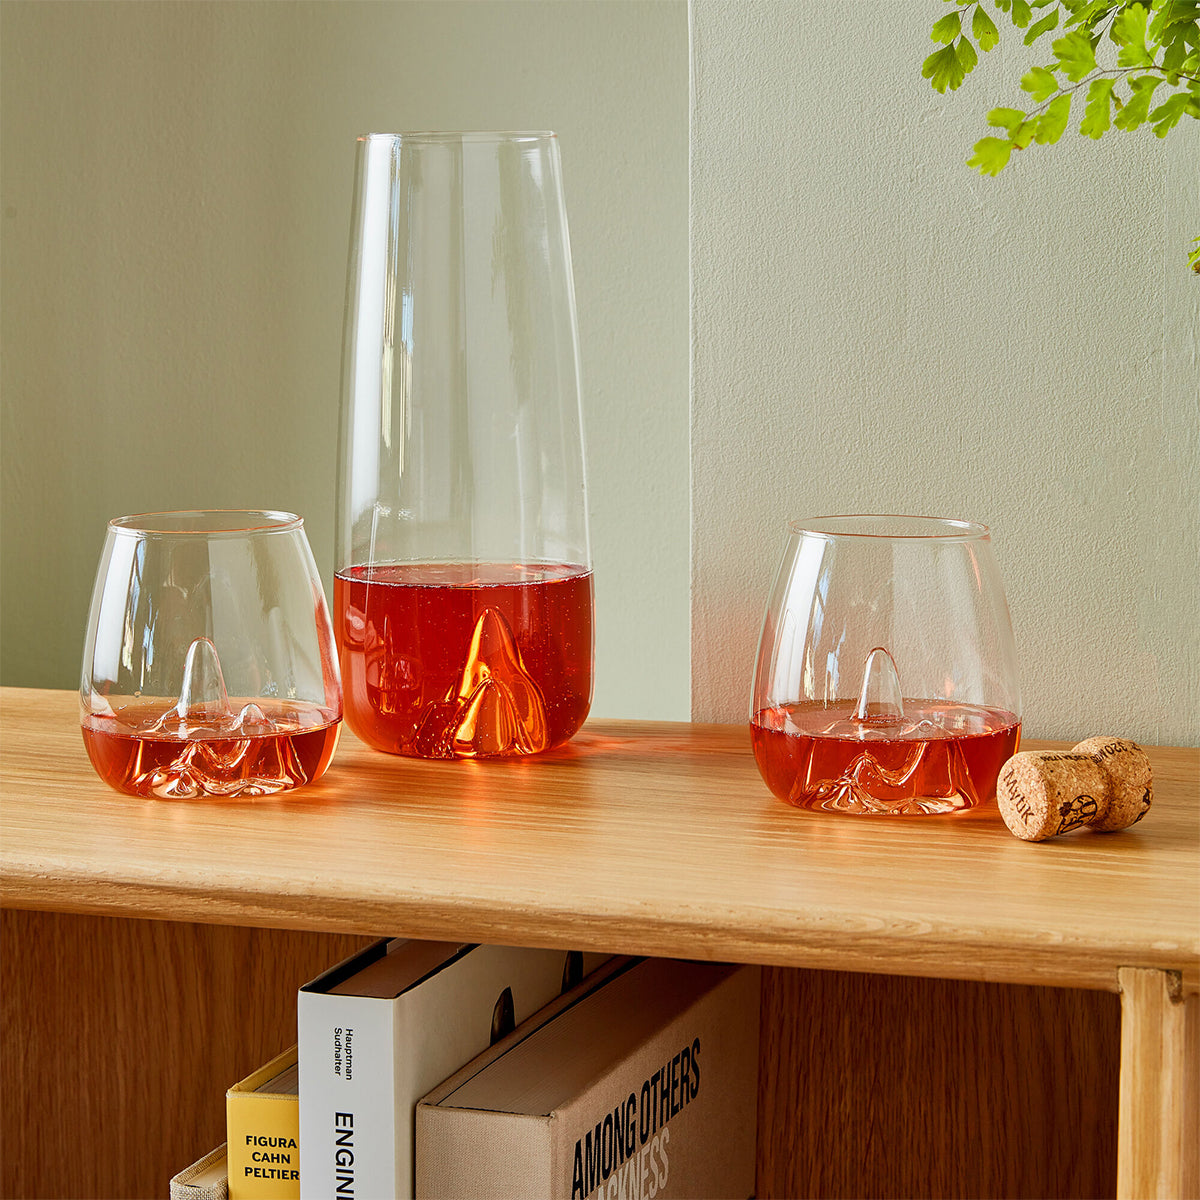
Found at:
[463, 584]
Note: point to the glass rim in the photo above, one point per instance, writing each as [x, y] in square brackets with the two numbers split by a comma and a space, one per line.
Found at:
[206, 522]
[890, 527]
[463, 135]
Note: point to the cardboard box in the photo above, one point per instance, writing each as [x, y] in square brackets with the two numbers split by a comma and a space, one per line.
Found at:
[640, 1083]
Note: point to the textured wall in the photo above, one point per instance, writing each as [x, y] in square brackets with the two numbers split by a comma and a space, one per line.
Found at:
[176, 204]
[878, 329]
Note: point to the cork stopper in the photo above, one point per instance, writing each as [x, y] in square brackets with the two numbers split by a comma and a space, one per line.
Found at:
[1129, 769]
[1103, 782]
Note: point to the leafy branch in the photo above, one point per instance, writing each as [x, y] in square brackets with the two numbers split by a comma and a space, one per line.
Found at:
[1152, 79]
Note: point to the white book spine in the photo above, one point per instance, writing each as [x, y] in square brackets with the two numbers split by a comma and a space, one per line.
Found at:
[366, 1062]
[347, 1097]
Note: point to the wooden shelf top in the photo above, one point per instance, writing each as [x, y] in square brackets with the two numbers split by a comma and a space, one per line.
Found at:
[645, 838]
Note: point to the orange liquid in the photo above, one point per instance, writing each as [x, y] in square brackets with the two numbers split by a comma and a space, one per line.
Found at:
[132, 758]
[465, 660]
[947, 761]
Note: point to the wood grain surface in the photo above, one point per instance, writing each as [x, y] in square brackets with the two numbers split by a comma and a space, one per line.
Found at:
[635, 837]
[903, 1087]
[121, 1036]
[1160, 1125]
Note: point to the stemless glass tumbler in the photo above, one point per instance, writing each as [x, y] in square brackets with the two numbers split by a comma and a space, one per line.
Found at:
[463, 584]
[209, 667]
[886, 680]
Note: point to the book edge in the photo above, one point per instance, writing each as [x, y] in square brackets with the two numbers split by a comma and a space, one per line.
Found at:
[183, 1185]
[250, 1085]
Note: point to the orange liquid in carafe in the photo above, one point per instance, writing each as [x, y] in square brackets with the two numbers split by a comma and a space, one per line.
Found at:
[465, 660]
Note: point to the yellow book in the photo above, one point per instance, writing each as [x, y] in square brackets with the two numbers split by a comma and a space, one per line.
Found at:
[262, 1121]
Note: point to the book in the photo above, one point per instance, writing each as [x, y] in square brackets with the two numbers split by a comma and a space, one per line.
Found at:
[642, 1083]
[204, 1180]
[380, 1029]
[262, 1132]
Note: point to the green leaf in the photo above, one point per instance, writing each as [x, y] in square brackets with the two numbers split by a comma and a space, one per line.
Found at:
[1194, 255]
[1039, 83]
[1085, 15]
[947, 29]
[1174, 57]
[984, 30]
[1048, 22]
[1135, 56]
[943, 70]
[1129, 33]
[1167, 115]
[966, 55]
[1137, 108]
[1018, 10]
[1008, 119]
[1180, 40]
[991, 155]
[1075, 55]
[1025, 134]
[1053, 121]
[1168, 17]
[1097, 116]
[1089, 15]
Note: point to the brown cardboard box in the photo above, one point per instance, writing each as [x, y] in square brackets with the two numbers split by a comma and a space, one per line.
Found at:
[639, 1084]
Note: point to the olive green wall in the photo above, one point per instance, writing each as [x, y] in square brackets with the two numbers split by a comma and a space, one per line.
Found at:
[176, 184]
[876, 328]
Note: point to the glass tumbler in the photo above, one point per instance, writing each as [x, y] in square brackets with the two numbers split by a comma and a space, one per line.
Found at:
[463, 584]
[886, 681]
[209, 667]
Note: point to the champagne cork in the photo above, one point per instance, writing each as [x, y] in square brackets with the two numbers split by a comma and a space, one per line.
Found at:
[1103, 782]
[1129, 769]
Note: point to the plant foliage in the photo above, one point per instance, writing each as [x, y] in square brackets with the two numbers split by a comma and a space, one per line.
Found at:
[1118, 65]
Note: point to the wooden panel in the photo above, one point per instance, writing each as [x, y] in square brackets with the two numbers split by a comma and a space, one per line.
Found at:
[1190, 1171]
[874, 1086]
[635, 837]
[121, 1036]
[1158, 1106]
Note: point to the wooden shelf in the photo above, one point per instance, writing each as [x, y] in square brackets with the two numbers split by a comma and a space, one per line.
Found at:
[637, 838]
[962, 1015]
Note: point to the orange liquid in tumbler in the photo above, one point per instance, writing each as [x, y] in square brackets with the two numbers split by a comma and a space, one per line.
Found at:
[465, 660]
[141, 751]
[945, 759]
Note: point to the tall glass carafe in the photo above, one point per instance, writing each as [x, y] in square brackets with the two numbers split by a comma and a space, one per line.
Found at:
[463, 584]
